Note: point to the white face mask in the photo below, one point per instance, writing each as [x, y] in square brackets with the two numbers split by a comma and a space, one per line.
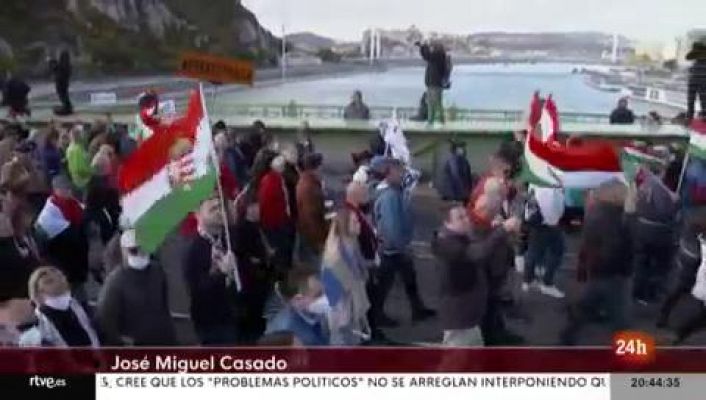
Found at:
[61, 302]
[320, 306]
[138, 262]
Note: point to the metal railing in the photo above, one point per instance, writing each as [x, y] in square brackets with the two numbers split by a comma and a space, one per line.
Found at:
[309, 111]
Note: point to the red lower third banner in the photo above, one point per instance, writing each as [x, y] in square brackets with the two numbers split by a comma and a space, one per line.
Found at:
[346, 360]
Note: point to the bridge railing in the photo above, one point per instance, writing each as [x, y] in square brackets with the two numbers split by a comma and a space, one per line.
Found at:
[323, 112]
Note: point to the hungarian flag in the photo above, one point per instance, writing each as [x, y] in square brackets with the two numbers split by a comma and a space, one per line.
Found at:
[549, 163]
[632, 158]
[543, 118]
[169, 175]
[697, 139]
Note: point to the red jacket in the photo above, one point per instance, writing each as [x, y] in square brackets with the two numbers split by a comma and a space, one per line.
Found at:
[273, 201]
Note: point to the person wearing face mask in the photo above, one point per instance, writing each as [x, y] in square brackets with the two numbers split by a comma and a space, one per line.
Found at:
[275, 213]
[60, 227]
[306, 310]
[61, 320]
[209, 272]
[457, 179]
[133, 307]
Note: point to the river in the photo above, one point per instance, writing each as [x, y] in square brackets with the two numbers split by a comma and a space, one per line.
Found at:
[485, 86]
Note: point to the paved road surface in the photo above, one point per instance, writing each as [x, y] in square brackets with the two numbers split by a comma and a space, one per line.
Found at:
[543, 317]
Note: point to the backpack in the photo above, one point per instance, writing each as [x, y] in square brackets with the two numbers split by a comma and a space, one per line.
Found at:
[448, 67]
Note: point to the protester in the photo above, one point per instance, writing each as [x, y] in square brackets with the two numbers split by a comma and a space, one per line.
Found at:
[133, 305]
[656, 213]
[51, 156]
[16, 317]
[464, 283]
[275, 215]
[37, 190]
[61, 320]
[253, 256]
[311, 222]
[697, 80]
[687, 260]
[545, 209]
[344, 275]
[11, 137]
[605, 260]
[394, 223]
[209, 273]
[305, 144]
[435, 78]
[79, 166]
[18, 251]
[622, 114]
[356, 109]
[485, 216]
[457, 179]
[15, 92]
[61, 227]
[61, 69]
[306, 309]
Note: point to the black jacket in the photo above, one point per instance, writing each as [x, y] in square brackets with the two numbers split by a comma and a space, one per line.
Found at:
[16, 265]
[465, 263]
[436, 66]
[607, 243]
[212, 301]
[622, 116]
[103, 206]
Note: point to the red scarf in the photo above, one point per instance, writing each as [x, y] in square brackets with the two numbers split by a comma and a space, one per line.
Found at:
[70, 208]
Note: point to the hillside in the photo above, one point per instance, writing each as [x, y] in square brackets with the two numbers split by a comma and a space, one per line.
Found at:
[128, 35]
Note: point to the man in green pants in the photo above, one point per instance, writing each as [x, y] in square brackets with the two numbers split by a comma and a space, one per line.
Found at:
[436, 78]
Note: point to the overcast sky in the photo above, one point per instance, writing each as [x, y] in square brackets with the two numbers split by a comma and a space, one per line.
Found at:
[650, 20]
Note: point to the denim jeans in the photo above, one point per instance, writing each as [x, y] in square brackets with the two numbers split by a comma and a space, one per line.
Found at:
[546, 246]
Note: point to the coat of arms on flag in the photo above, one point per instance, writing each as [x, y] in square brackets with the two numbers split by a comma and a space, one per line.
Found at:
[169, 175]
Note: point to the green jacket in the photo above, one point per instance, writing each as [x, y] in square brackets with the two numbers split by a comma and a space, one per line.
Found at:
[79, 166]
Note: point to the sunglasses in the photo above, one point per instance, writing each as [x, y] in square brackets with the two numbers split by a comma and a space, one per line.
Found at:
[133, 251]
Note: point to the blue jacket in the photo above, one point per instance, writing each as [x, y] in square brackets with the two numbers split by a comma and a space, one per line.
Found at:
[393, 219]
[289, 320]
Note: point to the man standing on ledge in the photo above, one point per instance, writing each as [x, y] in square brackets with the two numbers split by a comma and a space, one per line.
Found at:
[436, 78]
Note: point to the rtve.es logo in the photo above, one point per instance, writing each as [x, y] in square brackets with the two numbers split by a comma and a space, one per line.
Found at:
[634, 347]
[47, 382]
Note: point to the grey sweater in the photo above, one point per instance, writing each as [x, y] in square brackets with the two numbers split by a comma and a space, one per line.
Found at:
[133, 308]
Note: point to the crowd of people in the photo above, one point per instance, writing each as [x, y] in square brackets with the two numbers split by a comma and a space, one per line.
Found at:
[321, 274]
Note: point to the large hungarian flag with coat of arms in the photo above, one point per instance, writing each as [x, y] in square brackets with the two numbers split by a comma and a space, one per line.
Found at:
[169, 175]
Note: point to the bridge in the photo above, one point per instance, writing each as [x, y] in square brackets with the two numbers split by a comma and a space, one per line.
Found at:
[481, 130]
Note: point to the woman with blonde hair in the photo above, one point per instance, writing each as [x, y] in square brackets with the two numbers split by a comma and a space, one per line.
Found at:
[61, 320]
[344, 275]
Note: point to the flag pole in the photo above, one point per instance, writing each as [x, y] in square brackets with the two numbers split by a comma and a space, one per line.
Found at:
[226, 225]
[683, 172]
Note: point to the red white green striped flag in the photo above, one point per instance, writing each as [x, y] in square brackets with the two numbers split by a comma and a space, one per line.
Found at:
[169, 175]
[549, 163]
[697, 139]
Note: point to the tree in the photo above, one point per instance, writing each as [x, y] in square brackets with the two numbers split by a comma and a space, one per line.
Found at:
[328, 55]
